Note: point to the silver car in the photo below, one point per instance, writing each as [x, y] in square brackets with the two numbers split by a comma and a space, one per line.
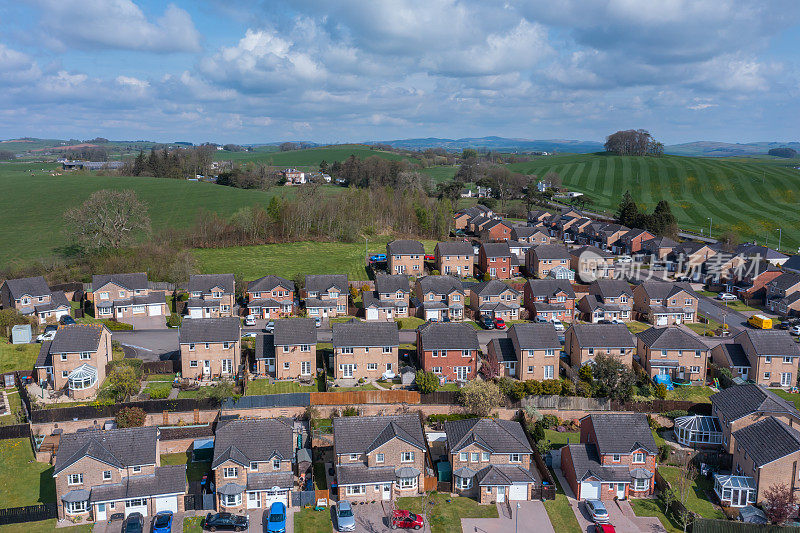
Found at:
[597, 510]
[345, 520]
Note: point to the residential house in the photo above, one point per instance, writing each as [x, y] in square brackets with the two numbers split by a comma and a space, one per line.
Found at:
[440, 298]
[210, 348]
[100, 473]
[541, 259]
[32, 296]
[252, 463]
[494, 299]
[290, 352]
[211, 295]
[531, 234]
[390, 299]
[75, 360]
[782, 294]
[687, 257]
[538, 216]
[531, 351]
[293, 176]
[496, 230]
[772, 357]
[550, 299]
[379, 457]
[591, 263]
[608, 299]
[761, 253]
[616, 458]
[605, 236]
[462, 217]
[631, 242]
[496, 259]
[674, 352]
[365, 349]
[454, 258]
[749, 280]
[124, 296]
[519, 249]
[449, 350]
[584, 342]
[792, 264]
[664, 304]
[491, 459]
[405, 256]
[477, 222]
[658, 247]
[270, 297]
[731, 355]
[326, 295]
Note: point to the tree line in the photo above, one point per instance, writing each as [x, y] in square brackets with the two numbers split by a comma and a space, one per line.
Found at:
[660, 222]
[633, 142]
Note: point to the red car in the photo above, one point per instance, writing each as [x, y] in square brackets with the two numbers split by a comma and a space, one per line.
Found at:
[604, 528]
[430, 258]
[406, 520]
[499, 323]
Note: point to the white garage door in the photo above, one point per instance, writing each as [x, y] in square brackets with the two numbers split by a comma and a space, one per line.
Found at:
[277, 496]
[167, 503]
[138, 505]
[661, 321]
[195, 313]
[518, 492]
[372, 314]
[154, 310]
[61, 312]
[590, 490]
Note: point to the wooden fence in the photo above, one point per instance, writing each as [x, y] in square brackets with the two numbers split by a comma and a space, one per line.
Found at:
[677, 508]
[577, 403]
[31, 513]
[17, 431]
[365, 397]
[430, 483]
[439, 398]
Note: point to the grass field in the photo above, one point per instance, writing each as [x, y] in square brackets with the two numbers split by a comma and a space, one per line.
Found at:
[696, 498]
[441, 173]
[23, 481]
[259, 387]
[310, 521]
[560, 511]
[45, 526]
[558, 439]
[752, 197]
[445, 517]
[14, 404]
[308, 159]
[17, 356]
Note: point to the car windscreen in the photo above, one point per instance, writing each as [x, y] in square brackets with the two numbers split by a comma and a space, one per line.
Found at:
[345, 512]
[161, 520]
[276, 517]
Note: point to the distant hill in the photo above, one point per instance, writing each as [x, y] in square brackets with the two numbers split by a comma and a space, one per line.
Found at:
[721, 149]
[502, 144]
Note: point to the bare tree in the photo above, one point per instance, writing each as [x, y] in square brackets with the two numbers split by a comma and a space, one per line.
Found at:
[108, 219]
[686, 477]
[779, 503]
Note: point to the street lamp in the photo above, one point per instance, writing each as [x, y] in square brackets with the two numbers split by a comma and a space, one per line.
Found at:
[780, 234]
[516, 523]
[710, 222]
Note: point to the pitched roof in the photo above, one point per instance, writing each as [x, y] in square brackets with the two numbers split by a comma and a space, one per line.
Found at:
[671, 338]
[742, 400]
[75, 338]
[269, 282]
[290, 331]
[793, 263]
[57, 299]
[195, 330]
[785, 281]
[496, 222]
[503, 349]
[603, 335]
[405, 247]
[440, 284]
[767, 440]
[361, 434]
[659, 242]
[496, 249]
[205, 282]
[735, 354]
[391, 283]
[770, 341]
[576, 252]
[132, 281]
[503, 475]
[660, 290]
[253, 440]
[164, 480]
[323, 282]
[610, 288]
[265, 346]
[492, 288]
[494, 435]
[448, 336]
[455, 248]
[34, 286]
[550, 287]
[550, 251]
[534, 336]
[116, 447]
[586, 463]
[755, 250]
[357, 333]
[622, 432]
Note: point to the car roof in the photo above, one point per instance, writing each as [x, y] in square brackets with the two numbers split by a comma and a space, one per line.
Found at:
[279, 505]
[344, 504]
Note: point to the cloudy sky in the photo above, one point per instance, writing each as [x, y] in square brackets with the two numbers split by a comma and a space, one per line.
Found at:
[346, 70]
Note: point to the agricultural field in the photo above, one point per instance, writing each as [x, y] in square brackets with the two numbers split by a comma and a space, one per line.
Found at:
[750, 196]
[307, 159]
[441, 173]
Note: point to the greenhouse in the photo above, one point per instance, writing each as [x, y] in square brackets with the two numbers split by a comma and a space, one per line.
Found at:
[698, 430]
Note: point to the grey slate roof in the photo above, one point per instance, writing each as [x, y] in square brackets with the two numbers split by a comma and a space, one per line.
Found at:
[785, 281]
[369, 300]
[360, 474]
[267, 480]
[405, 247]
[770, 341]
[735, 353]
[362, 434]
[143, 299]
[525, 232]
[165, 480]
[448, 336]
[224, 329]
[660, 290]
[44, 358]
[622, 432]
[550, 251]
[492, 287]
[742, 400]
[586, 463]
[323, 282]
[671, 338]
[455, 248]
[793, 263]
[355, 333]
[593, 249]
[292, 331]
[496, 249]
[755, 250]
[116, 447]
[34, 286]
[269, 282]
[495, 435]
[613, 288]
[316, 302]
[503, 475]
[440, 284]
[57, 299]
[205, 282]
[249, 440]
[768, 440]
[391, 283]
[534, 336]
[504, 349]
[265, 346]
[75, 338]
[659, 242]
[132, 281]
[603, 335]
[550, 287]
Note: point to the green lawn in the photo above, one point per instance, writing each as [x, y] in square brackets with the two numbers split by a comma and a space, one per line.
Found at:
[193, 524]
[696, 499]
[309, 158]
[160, 377]
[259, 387]
[410, 322]
[701, 329]
[786, 395]
[189, 394]
[653, 507]
[14, 404]
[690, 393]
[557, 439]
[445, 517]
[634, 326]
[194, 470]
[23, 481]
[367, 386]
[560, 512]
[155, 387]
[441, 173]
[320, 481]
[736, 305]
[342, 319]
[308, 520]
[17, 356]
[46, 526]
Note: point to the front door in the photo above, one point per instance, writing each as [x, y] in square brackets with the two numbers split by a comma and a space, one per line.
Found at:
[621, 491]
[681, 372]
[101, 512]
[119, 312]
[206, 368]
[387, 491]
[253, 500]
[738, 498]
[324, 313]
[501, 494]
[744, 372]
[347, 371]
[271, 365]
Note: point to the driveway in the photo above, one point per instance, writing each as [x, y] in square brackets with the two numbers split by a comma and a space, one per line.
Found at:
[370, 518]
[147, 322]
[530, 517]
[148, 345]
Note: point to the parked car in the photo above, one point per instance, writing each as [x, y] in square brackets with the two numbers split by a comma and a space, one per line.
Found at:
[430, 257]
[541, 320]
[377, 258]
[604, 321]
[317, 321]
[276, 523]
[49, 333]
[499, 323]
[226, 522]
[406, 520]
[250, 320]
[616, 321]
[133, 524]
[624, 259]
[794, 330]
[66, 320]
[345, 520]
[249, 334]
[604, 528]
[270, 327]
[487, 322]
[162, 523]
[558, 325]
[782, 325]
[725, 296]
[597, 510]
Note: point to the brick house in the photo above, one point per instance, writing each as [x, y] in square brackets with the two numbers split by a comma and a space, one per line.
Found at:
[494, 299]
[749, 280]
[583, 342]
[531, 234]
[658, 247]
[605, 236]
[664, 304]
[379, 457]
[531, 351]
[674, 352]
[616, 458]
[252, 463]
[99, 473]
[461, 218]
[210, 348]
[496, 259]
[211, 295]
[326, 295]
[390, 299]
[771, 357]
[32, 296]
[365, 349]
[538, 216]
[75, 360]
[290, 352]
[496, 230]
[591, 263]
[608, 299]
[687, 257]
[440, 298]
[270, 297]
[631, 242]
[491, 459]
[550, 299]
[449, 350]
[123, 296]
[782, 294]
[540, 260]
[405, 256]
[454, 258]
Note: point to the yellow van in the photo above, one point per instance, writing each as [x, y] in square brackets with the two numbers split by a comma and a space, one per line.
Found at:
[760, 322]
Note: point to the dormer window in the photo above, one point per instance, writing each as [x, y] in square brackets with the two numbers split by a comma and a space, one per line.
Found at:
[276, 464]
[196, 294]
[253, 466]
[638, 458]
[616, 458]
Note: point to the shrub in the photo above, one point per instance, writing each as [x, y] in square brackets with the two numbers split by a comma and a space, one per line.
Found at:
[567, 388]
[427, 382]
[533, 387]
[675, 414]
[353, 292]
[158, 393]
[517, 390]
[365, 288]
[487, 277]
[585, 374]
[435, 272]
[131, 417]
[350, 411]
[113, 325]
[551, 386]
[645, 390]
[480, 397]
[583, 389]
[549, 421]
[219, 392]
[663, 452]
[532, 412]
[537, 431]
[174, 320]
[660, 391]
[439, 419]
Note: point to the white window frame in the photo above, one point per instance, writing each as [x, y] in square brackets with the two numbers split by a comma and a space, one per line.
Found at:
[355, 490]
[379, 457]
[463, 456]
[406, 457]
[75, 479]
[106, 475]
[193, 364]
[463, 483]
[407, 482]
[230, 472]
[638, 458]
[231, 500]
[515, 458]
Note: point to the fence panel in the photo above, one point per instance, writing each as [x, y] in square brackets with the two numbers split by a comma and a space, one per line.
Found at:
[82, 412]
[430, 483]
[289, 399]
[439, 398]
[187, 432]
[302, 498]
[365, 397]
[31, 513]
[17, 431]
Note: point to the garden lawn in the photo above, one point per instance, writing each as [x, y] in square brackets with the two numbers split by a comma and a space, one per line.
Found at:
[193, 524]
[635, 326]
[700, 328]
[17, 356]
[14, 404]
[160, 377]
[696, 499]
[194, 470]
[366, 386]
[45, 526]
[263, 386]
[308, 520]
[410, 322]
[653, 507]
[23, 481]
[560, 512]
[557, 439]
[158, 389]
[690, 393]
[786, 395]
[320, 481]
[446, 517]
[189, 394]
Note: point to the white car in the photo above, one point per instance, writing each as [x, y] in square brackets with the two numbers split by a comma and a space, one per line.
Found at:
[616, 321]
[794, 330]
[46, 336]
[624, 259]
[249, 334]
[558, 325]
[725, 296]
[250, 320]
[270, 327]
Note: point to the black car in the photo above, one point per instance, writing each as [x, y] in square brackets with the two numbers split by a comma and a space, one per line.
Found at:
[66, 320]
[226, 522]
[487, 322]
[782, 325]
[133, 524]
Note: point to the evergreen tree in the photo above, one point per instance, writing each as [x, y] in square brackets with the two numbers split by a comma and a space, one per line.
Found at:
[628, 212]
[664, 222]
[139, 164]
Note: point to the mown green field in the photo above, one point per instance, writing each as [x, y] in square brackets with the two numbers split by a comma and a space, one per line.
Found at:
[309, 158]
[752, 197]
[441, 173]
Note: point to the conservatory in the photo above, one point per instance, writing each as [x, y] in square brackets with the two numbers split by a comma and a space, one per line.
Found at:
[736, 491]
[698, 430]
[83, 377]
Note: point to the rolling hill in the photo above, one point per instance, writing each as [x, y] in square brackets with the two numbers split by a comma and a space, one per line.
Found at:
[309, 158]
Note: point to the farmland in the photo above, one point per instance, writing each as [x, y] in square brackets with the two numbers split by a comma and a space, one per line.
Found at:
[307, 159]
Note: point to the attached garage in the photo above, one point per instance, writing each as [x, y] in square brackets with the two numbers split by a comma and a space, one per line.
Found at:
[154, 309]
[518, 491]
[166, 503]
[590, 490]
[136, 505]
[195, 312]
[372, 314]
[266, 498]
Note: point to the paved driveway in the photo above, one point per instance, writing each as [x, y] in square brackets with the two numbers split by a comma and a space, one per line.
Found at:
[531, 517]
[148, 345]
[147, 322]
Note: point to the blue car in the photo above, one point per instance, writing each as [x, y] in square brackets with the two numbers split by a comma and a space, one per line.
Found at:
[162, 523]
[276, 522]
[377, 258]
